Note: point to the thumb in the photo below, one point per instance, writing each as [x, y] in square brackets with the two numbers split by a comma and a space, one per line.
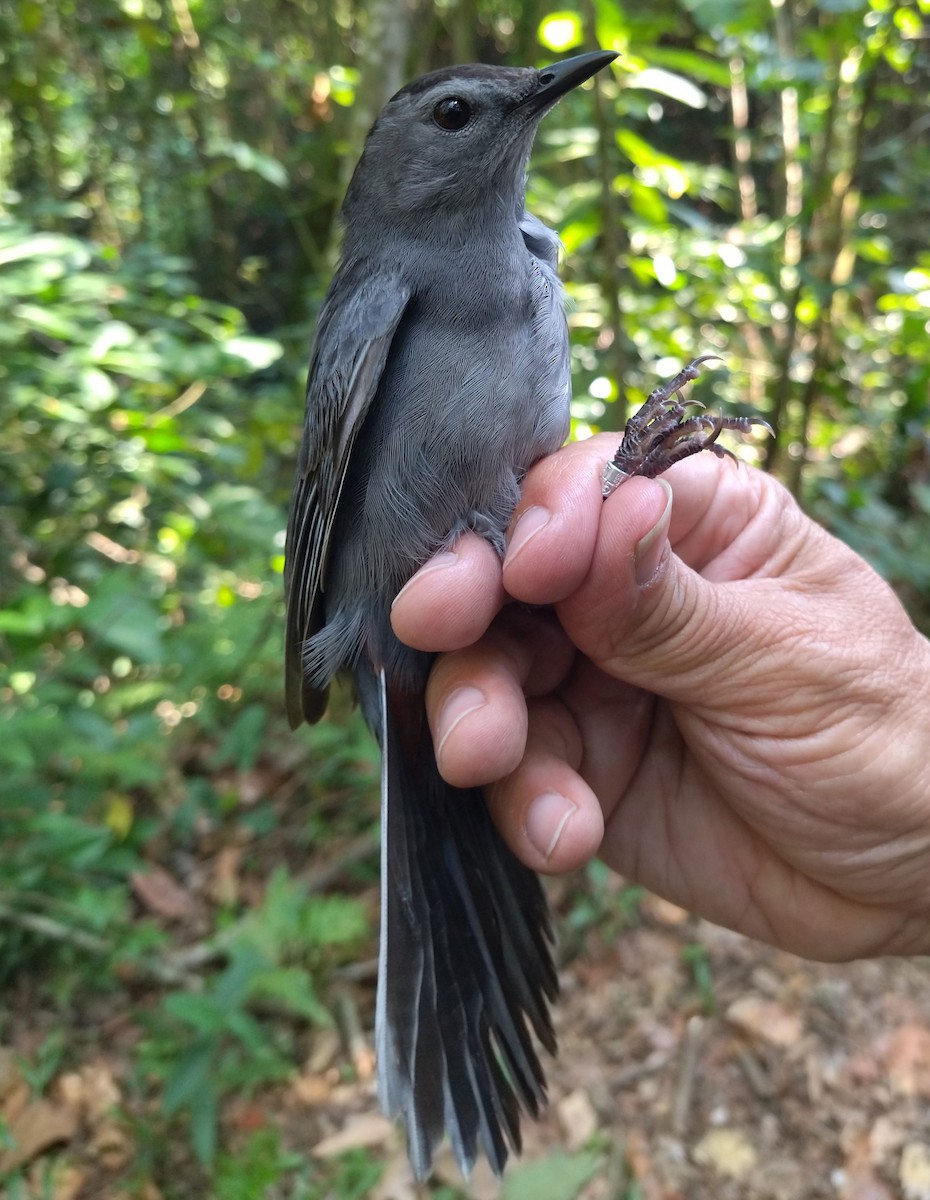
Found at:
[687, 604]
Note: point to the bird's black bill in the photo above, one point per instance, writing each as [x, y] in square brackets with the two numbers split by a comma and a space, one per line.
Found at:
[562, 76]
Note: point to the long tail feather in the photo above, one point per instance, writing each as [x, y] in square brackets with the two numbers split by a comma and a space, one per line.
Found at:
[465, 969]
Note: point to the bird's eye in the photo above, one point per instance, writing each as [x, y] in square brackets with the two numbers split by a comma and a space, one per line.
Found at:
[452, 113]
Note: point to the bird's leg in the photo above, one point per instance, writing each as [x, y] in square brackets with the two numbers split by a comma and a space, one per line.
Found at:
[662, 433]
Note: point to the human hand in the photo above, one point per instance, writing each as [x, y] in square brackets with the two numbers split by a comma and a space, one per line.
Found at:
[740, 723]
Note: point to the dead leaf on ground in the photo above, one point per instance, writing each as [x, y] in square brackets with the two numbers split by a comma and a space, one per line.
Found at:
[93, 1090]
[36, 1127]
[914, 1171]
[224, 886]
[161, 894]
[577, 1118]
[368, 1129]
[397, 1181]
[310, 1091]
[868, 1188]
[727, 1152]
[68, 1183]
[112, 1146]
[766, 1020]
[483, 1184]
[907, 1060]
[885, 1139]
[663, 911]
[325, 1050]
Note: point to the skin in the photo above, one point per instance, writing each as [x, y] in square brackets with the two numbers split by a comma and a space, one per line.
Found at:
[721, 700]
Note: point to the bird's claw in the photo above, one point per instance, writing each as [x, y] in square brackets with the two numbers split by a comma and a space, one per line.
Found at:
[661, 433]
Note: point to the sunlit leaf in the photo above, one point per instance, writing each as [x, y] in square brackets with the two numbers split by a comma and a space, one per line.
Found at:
[257, 352]
[690, 63]
[247, 158]
[43, 246]
[641, 153]
[667, 83]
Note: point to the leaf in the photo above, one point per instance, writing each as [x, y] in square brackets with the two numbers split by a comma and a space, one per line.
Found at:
[666, 83]
[364, 1130]
[247, 158]
[35, 1128]
[559, 1177]
[914, 1172]
[43, 246]
[161, 894]
[292, 987]
[766, 1020]
[190, 1079]
[907, 1060]
[688, 62]
[729, 15]
[121, 614]
[203, 1124]
[48, 321]
[258, 352]
[199, 1012]
[727, 1152]
[578, 1118]
[641, 154]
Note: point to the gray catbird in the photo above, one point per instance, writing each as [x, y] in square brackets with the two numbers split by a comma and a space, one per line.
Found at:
[439, 374]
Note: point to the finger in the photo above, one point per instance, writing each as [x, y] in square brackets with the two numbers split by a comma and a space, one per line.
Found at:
[544, 810]
[451, 600]
[718, 504]
[646, 617]
[554, 528]
[475, 698]
[724, 517]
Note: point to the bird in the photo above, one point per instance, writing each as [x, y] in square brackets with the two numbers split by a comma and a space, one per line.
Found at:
[439, 373]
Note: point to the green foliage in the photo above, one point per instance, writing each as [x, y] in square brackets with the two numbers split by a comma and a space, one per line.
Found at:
[558, 1177]
[255, 1170]
[355, 1176]
[288, 924]
[210, 1044]
[204, 1046]
[697, 960]
[262, 1169]
[138, 575]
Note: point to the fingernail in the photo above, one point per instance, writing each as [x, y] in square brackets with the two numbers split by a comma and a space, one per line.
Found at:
[463, 701]
[437, 563]
[546, 819]
[651, 547]
[526, 528]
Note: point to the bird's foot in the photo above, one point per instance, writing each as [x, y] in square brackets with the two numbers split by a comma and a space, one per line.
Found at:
[661, 432]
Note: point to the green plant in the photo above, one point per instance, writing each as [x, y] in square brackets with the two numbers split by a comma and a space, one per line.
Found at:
[259, 1170]
[697, 960]
[204, 1046]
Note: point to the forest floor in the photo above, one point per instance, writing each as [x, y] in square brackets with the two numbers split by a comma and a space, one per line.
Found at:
[693, 1064]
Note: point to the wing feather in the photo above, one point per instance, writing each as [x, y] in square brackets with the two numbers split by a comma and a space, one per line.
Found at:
[357, 323]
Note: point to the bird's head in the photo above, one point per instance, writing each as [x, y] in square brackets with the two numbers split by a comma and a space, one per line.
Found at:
[456, 141]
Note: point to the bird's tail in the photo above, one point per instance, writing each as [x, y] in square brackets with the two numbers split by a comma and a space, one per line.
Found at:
[465, 967]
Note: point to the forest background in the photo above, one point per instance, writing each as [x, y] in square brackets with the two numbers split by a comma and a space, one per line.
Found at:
[187, 889]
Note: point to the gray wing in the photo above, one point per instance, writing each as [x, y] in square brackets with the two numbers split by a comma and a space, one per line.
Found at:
[540, 240]
[552, 400]
[357, 323]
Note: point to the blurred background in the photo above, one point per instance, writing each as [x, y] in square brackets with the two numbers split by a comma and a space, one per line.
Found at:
[188, 891]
